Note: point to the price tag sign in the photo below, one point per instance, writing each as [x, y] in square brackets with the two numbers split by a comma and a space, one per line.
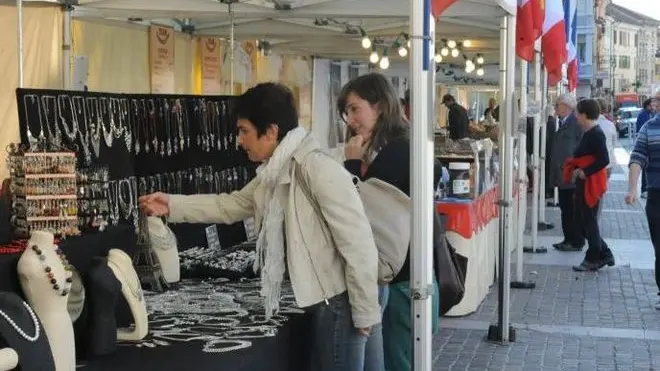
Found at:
[250, 229]
[212, 240]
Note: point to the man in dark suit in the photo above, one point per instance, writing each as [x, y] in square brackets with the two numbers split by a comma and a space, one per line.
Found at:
[565, 140]
[458, 121]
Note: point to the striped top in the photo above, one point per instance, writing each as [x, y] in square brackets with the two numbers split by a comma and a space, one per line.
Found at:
[647, 152]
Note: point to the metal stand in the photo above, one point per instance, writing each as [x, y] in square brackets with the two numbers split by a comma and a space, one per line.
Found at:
[521, 214]
[502, 332]
[543, 225]
[145, 259]
[536, 190]
[522, 211]
[422, 74]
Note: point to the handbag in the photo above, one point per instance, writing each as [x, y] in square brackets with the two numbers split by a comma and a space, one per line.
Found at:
[450, 267]
[388, 212]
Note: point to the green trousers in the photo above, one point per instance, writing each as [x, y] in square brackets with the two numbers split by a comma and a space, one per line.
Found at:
[397, 326]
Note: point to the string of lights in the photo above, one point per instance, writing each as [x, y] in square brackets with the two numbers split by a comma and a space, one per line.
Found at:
[401, 44]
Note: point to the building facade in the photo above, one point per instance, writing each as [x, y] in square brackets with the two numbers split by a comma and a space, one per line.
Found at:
[585, 47]
[627, 43]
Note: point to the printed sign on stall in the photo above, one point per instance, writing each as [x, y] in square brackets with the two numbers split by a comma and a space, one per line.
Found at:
[211, 52]
[161, 59]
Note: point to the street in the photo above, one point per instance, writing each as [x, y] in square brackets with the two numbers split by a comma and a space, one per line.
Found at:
[571, 321]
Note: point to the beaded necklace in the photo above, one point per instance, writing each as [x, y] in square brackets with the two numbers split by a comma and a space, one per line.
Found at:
[64, 290]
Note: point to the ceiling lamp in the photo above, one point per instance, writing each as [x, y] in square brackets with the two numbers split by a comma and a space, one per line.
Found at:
[373, 57]
[480, 72]
[467, 43]
[403, 51]
[455, 53]
[384, 63]
[480, 59]
[366, 42]
[451, 44]
[469, 67]
[444, 52]
[437, 58]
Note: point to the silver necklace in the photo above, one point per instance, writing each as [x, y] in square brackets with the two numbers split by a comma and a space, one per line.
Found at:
[35, 322]
[32, 140]
[71, 134]
[107, 133]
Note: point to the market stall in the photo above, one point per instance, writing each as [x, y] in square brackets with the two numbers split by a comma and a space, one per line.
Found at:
[463, 11]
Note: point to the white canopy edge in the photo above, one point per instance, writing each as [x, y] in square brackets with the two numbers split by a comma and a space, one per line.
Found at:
[216, 11]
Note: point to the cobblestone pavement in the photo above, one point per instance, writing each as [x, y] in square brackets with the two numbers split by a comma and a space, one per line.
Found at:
[571, 321]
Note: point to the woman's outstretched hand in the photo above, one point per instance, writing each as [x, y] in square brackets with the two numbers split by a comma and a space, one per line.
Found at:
[155, 204]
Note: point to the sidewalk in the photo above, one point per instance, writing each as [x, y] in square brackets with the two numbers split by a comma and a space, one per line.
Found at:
[571, 321]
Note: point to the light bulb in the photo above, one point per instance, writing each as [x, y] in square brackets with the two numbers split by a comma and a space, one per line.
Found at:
[467, 43]
[373, 57]
[454, 53]
[366, 42]
[409, 43]
[384, 63]
[469, 63]
[438, 58]
[480, 60]
[403, 51]
[480, 72]
[444, 52]
[451, 44]
[469, 68]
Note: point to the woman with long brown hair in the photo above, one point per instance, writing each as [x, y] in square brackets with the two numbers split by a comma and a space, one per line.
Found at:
[378, 145]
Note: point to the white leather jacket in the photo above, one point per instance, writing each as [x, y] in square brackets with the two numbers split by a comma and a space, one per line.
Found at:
[318, 269]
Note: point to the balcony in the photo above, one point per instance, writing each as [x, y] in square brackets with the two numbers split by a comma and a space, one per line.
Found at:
[585, 71]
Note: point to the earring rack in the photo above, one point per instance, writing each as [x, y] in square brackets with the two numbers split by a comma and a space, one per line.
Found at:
[44, 192]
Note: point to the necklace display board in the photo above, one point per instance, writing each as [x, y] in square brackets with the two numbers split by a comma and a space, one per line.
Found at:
[134, 144]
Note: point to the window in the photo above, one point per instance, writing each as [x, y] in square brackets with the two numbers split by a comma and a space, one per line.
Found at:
[624, 61]
[636, 39]
[643, 75]
[624, 38]
[657, 69]
[615, 37]
[581, 49]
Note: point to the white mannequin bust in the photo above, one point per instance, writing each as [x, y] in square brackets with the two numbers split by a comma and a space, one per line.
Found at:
[8, 359]
[163, 242]
[43, 278]
[122, 267]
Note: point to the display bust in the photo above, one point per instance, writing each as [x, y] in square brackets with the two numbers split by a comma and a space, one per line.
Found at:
[45, 278]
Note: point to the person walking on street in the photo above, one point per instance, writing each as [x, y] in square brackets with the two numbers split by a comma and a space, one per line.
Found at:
[648, 111]
[646, 156]
[565, 142]
[588, 168]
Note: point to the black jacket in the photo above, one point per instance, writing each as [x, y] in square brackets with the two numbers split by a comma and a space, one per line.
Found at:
[458, 122]
[392, 165]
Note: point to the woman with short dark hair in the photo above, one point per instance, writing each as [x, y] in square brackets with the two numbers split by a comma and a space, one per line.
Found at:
[588, 167]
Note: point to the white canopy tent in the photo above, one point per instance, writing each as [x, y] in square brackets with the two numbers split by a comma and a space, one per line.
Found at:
[293, 26]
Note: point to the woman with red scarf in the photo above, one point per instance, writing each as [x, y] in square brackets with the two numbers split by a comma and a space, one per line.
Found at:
[588, 167]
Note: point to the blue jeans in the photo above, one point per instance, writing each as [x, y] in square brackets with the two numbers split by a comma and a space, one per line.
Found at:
[336, 344]
[374, 355]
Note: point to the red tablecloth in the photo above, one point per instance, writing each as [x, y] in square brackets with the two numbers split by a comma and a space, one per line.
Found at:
[466, 218]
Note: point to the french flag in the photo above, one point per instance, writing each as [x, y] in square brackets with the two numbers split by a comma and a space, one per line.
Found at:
[570, 20]
[439, 6]
[529, 27]
[553, 41]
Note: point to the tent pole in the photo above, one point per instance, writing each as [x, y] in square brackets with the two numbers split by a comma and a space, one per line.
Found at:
[232, 41]
[503, 332]
[19, 16]
[521, 210]
[421, 161]
[66, 49]
[543, 225]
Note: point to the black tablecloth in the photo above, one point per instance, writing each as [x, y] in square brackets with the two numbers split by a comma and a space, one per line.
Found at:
[204, 314]
[79, 250]
[284, 352]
